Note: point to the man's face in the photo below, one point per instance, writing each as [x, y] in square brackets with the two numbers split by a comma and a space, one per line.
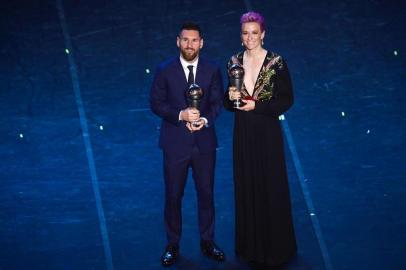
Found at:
[189, 43]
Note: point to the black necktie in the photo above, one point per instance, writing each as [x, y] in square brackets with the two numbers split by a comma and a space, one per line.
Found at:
[191, 77]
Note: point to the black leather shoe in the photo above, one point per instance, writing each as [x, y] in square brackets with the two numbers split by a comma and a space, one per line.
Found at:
[170, 255]
[210, 249]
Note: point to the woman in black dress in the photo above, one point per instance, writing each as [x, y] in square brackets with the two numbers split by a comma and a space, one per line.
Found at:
[264, 228]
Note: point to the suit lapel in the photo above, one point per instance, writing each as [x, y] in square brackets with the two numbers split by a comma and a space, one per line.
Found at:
[179, 79]
[200, 71]
[179, 73]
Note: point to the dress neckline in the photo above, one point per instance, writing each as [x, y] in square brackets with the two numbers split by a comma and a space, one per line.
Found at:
[258, 75]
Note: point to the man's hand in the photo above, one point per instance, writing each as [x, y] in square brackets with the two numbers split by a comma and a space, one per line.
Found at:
[190, 114]
[196, 125]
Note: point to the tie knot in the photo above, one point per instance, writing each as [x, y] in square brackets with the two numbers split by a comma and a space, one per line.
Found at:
[190, 68]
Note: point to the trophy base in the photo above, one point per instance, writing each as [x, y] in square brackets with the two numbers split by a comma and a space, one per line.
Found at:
[238, 104]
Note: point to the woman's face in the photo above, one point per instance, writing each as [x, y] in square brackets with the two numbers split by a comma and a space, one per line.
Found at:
[251, 35]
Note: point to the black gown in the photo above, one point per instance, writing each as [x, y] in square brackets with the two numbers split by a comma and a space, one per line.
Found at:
[264, 227]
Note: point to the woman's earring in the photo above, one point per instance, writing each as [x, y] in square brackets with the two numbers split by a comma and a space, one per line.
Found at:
[262, 41]
[242, 44]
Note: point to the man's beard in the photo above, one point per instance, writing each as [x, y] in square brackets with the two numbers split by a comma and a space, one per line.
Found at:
[189, 55]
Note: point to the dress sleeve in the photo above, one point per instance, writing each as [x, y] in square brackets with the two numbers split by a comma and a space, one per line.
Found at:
[282, 99]
[227, 103]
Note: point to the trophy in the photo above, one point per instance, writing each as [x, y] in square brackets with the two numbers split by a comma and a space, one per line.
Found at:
[236, 79]
[193, 96]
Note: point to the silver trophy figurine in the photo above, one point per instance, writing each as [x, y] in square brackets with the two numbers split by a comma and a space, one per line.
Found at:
[236, 79]
[193, 96]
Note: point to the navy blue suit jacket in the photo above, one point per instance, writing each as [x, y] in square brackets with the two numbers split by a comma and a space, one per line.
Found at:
[168, 98]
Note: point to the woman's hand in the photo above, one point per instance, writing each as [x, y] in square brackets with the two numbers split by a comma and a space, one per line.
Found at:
[233, 94]
[249, 105]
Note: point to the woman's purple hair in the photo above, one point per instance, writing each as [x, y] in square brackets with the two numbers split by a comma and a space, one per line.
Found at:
[252, 16]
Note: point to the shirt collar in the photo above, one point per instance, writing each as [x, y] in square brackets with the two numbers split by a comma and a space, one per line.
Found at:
[186, 63]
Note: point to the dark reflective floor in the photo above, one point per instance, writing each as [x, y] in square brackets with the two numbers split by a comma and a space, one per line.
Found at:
[345, 152]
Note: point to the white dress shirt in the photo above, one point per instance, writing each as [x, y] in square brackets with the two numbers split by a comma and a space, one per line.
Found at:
[185, 64]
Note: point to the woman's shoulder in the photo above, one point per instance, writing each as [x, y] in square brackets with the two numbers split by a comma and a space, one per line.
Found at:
[236, 58]
[274, 59]
[238, 54]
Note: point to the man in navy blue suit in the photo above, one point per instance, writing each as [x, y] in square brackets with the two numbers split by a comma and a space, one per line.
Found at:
[188, 138]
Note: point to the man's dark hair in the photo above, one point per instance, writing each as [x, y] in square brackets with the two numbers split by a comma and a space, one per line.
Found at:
[191, 26]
